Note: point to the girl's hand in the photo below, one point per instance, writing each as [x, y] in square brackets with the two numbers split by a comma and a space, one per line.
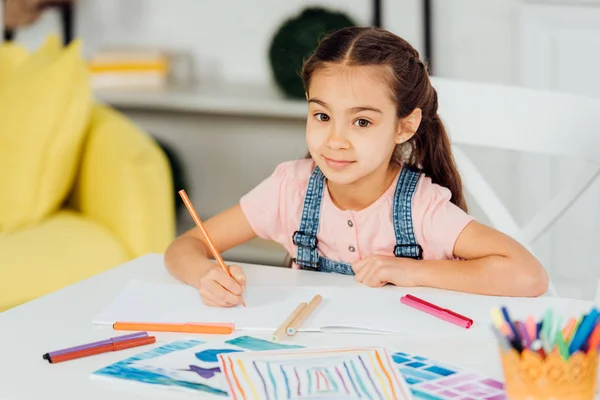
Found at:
[218, 289]
[377, 270]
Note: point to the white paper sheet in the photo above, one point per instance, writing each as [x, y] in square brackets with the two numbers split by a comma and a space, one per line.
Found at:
[267, 306]
[365, 310]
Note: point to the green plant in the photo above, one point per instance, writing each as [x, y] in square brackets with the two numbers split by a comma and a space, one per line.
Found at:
[295, 40]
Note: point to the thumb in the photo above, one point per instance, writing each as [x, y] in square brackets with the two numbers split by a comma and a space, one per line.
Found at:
[238, 275]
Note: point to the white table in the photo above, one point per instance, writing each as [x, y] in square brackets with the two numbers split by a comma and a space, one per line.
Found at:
[63, 319]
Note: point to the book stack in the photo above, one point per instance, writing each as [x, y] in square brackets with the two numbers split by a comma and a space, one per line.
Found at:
[126, 68]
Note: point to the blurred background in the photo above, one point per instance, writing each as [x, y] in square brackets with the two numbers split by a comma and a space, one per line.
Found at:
[204, 96]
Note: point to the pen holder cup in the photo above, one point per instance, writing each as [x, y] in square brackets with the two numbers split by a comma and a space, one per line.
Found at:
[528, 376]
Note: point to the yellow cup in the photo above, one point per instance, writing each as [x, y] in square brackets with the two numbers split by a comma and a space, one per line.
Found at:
[528, 376]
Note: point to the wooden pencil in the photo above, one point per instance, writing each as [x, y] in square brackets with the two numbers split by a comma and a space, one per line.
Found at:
[304, 314]
[209, 241]
[284, 326]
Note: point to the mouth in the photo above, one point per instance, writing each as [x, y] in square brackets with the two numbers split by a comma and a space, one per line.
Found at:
[332, 163]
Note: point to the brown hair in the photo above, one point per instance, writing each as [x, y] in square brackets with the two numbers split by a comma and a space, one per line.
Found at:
[429, 149]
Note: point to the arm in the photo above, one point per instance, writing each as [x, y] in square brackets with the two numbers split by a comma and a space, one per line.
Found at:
[188, 258]
[492, 264]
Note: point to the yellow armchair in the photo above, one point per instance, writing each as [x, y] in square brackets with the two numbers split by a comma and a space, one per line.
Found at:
[120, 207]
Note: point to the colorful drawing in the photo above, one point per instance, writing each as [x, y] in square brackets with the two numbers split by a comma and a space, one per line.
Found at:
[186, 364]
[431, 380]
[194, 365]
[316, 374]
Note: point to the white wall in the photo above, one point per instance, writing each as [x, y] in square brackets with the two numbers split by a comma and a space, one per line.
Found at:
[228, 38]
[476, 40]
[473, 39]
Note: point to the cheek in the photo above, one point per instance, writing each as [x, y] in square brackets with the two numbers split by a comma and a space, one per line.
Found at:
[314, 136]
[375, 145]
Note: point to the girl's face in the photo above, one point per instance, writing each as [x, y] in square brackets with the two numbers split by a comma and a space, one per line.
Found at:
[352, 127]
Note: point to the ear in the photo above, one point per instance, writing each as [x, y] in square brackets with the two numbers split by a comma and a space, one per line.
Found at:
[408, 126]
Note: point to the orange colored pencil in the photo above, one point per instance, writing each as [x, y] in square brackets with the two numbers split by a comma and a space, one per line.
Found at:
[209, 241]
[190, 327]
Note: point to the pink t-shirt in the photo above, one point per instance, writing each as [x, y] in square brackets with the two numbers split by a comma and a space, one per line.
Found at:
[274, 207]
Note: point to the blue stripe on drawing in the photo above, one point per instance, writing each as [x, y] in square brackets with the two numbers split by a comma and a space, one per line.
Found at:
[360, 382]
[423, 395]
[402, 354]
[287, 383]
[332, 380]
[399, 359]
[411, 381]
[123, 369]
[250, 343]
[440, 371]
[211, 355]
[352, 380]
[419, 358]
[309, 382]
[272, 379]
[370, 378]
[417, 373]
[262, 379]
[415, 364]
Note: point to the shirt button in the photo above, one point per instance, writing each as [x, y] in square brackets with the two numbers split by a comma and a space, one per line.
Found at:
[352, 249]
[350, 223]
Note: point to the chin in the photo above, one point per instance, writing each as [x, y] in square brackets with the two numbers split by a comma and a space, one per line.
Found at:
[340, 176]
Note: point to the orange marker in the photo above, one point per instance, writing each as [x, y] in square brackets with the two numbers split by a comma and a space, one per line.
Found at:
[190, 327]
[209, 241]
[594, 340]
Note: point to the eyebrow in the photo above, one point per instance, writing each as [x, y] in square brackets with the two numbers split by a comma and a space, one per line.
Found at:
[353, 109]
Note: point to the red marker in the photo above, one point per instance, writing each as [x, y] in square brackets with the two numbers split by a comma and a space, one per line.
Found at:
[436, 311]
[126, 344]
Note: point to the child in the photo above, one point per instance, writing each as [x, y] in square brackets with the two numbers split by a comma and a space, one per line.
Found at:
[379, 196]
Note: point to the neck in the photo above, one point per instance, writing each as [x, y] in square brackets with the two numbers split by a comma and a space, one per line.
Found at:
[364, 192]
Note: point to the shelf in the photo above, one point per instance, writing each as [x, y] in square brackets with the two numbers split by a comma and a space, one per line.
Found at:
[233, 99]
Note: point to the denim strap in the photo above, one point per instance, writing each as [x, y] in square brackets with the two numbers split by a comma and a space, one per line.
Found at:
[406, 244]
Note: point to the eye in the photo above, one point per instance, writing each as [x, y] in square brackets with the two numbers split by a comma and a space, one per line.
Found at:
[362, 123]
[322, 117]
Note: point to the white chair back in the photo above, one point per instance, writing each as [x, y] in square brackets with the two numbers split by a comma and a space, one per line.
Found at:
[523, 120]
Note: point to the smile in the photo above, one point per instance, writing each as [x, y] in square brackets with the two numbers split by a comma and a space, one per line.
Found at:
[337, 164]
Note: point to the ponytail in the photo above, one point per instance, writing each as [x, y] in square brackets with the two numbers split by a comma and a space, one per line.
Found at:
[432, 153]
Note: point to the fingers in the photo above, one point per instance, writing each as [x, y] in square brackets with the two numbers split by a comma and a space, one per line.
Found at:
[367, 271]
[238, 275]
[360, 269]
[370, 278]
[359, 265]
[229, 283]
[214, 294]
[216, 300]
[218, 289]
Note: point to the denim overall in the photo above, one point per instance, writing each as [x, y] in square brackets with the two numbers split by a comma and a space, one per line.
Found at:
[305, 238]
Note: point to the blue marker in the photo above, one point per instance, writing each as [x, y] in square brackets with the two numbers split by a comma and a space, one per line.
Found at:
[584, 331]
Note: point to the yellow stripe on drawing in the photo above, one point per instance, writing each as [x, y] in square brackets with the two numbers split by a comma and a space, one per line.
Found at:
[383, 385]
[389, 378]
[252, 387]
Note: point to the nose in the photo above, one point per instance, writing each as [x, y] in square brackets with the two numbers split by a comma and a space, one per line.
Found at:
[337, 139]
